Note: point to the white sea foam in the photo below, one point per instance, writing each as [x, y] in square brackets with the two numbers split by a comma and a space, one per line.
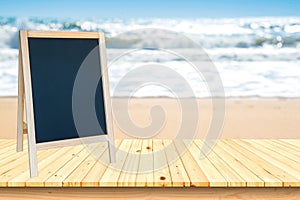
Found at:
[255, 56]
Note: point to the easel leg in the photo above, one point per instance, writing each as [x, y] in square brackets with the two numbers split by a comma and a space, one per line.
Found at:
[31, 143]
[32, 156]
[20, 106]
[26, 84]
[112, 151]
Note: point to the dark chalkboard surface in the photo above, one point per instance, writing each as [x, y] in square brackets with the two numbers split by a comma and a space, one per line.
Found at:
[63, 83]
[54, 64]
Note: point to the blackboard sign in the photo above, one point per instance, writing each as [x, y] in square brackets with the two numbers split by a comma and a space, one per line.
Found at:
[49, 64]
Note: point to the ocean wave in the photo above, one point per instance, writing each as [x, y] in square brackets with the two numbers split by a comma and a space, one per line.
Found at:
[208, 33]
[256, 57]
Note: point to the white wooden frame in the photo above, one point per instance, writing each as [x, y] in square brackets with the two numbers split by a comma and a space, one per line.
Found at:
[25, 93]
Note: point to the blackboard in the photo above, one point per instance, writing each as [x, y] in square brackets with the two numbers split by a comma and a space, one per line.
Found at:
[54, 65]
[49, 67]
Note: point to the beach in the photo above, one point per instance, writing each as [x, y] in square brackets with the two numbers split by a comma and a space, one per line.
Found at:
[256, 61]
[245, 118]
[150, 100]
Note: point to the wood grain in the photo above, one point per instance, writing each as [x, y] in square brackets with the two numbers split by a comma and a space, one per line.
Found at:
[178, 172]
[162, 176]
[149, 193]
[25, 63]
[233, 178]
[107, 97]
[20, 111]
[144, 177]
[156, 163]
[252, 180]
[61, 34]
[129, 171]
[212, 173]
[113, 171]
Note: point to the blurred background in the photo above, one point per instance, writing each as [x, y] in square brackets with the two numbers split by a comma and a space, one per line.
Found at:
[254, 44]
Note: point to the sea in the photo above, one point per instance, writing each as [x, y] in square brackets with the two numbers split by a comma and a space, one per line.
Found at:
[253, 57]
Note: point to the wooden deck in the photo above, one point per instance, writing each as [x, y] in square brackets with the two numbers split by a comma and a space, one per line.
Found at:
[232, 163]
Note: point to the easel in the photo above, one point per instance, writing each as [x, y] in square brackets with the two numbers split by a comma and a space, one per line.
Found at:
[25, 99]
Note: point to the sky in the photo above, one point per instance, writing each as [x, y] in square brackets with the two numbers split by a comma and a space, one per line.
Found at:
[149, 9]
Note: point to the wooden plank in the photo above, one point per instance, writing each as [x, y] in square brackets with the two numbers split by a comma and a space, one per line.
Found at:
[276, 157]
[11, 156]
[47, 165]
[177, 170]
[96, 171]
[295, 142]
[128, 174]
[75, 177]
[255, 164]
[61, 34]
[149, 193]
[228, 172]
[161, 173]
[252, 180]
[47, 170]
[20, 166]
[82, 175]
[112, 173]
[258, 162]
[194, 172]
[91, 179]
[144, 177]
[287, 146]
[292, 144]
[285, 178]
[7, 147]
[289, 166]
[6, 143]
[57, 178]
[215, 178]
[279, 149]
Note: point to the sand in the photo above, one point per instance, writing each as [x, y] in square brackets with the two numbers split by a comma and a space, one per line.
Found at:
[244, 118]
